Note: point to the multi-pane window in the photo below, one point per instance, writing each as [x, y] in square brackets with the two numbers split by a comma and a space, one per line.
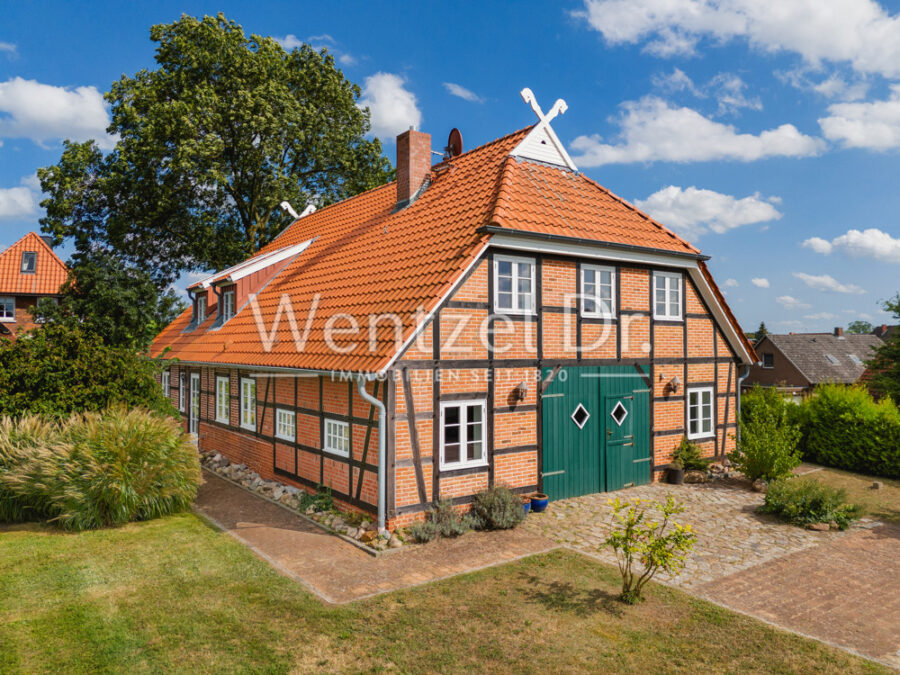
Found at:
[667, 295]
[165, 382]
[7, 309]
[700, 412]
[462, 434]
[514, 283]
[597, 291]
[29, 262]
[201, 309]
[227, 304]
[248, 404]
[285, 424]
[181, 392]
[223, 399]
[337, 437]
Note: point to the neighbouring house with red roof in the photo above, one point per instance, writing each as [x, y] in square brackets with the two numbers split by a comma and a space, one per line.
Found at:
[494, 318]
[29, 271]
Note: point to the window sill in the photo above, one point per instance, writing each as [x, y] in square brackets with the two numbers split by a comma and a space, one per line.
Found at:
[286, 439]
[708, 436]
[591, 315]
[460, 465]
[248, 427]
[337, 453]
[220, 420]
[7, 321]
[667, 318]
[514, 312]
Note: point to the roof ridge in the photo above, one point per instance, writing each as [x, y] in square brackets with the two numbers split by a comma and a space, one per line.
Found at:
[486, 145]
[643, 215]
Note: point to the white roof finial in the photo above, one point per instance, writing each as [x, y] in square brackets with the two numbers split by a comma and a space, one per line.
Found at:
[542, 143]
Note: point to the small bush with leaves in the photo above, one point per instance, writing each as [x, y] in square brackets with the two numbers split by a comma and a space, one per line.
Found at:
[441, 520]
[644, 533]
[803, 501]
[770, 436]
[96, 470]
[497, 508]
[322, 500]
[688, 455]
[423, 532]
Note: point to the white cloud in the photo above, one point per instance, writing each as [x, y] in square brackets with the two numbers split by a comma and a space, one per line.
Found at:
[394, 108]
[9, 49]
[760, 282]
[870, 243]
[317, 42]
[873, 125]
[462, 92]
[729, 92]
[825, 282]
[791, 323]
[693, 212]
[653, 130]
[858, 32]
[820, 316]
[676, 81]
[43, 113]
[835, 86]
[790, 302]
[731, 283]
[17, 202]
[289, 41]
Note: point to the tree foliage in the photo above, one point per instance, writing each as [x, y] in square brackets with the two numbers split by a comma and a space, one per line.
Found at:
[769, 444]
[210, 142]
[859, 328]
[885, 365]
[761, 332]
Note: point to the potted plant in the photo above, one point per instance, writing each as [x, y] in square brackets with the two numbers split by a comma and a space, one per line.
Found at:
[675, 474]
[539, 502]
[526, 503]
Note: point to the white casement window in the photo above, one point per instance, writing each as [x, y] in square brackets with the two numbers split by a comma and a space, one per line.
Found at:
[598, 295]
[201, 309]
[667, 296]
[181, 392]
[700, 412]
[513, 285]
[248, 404]
[462, 434]
[285, 424]
[223, 399]
[7, 309]
[227, 304]
[164, 381]
[337, 437]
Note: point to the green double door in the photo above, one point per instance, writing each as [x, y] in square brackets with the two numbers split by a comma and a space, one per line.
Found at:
[596, 430]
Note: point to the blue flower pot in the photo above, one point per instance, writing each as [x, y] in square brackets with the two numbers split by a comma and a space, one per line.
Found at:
[539, 502]
[526, 507]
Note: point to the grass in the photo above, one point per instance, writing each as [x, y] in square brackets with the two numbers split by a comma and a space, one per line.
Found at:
[175, 595]
[883, 504]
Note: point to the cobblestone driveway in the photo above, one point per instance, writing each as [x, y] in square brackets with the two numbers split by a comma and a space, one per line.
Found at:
[731, 536]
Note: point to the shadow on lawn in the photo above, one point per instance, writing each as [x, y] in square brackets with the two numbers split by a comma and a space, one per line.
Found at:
[563, 596]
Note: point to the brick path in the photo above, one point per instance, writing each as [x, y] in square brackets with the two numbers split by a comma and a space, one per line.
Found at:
[339, 572]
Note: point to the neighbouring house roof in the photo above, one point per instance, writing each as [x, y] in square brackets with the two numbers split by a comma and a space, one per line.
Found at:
[365, 257]
[885, 332]
[824, 357]
[50, 272]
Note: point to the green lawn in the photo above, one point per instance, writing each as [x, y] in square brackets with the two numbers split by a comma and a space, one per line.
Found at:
[883, 504]
[176, 595]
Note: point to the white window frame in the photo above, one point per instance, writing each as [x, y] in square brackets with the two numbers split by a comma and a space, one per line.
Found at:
[223, 399]
[165, 383]
[610, 312]
[335, 441]
[515, 261]
[667, 278]
[228, 307]
[8, 300]
[182, 394]
[464, 463]
[201, 309]
[248, 403]
[700, 433]
[285, 424]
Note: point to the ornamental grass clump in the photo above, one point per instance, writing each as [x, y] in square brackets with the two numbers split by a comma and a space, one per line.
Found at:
[656, 545]
[96, 470]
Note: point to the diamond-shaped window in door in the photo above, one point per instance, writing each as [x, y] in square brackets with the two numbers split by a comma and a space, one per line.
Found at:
[619, 413]
[580, 416]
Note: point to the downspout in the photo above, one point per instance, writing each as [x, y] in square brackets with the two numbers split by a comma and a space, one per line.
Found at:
[740, 381]
[382, 448]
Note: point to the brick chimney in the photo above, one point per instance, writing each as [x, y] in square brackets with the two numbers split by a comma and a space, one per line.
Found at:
[838, 331]
[413, 163]
[881, 331]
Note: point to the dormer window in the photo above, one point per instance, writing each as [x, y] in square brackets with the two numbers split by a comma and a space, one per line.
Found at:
[200, 309]
[227, 304]
[29, 262]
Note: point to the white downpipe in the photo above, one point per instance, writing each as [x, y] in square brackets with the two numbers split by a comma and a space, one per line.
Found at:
[740, 381]
[382, 449]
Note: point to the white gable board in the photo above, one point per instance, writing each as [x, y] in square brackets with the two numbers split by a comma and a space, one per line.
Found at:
[542, 144]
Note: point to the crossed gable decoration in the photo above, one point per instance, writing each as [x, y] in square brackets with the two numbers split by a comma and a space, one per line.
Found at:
[542, 144]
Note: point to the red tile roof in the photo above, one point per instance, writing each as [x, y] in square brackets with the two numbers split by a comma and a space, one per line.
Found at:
[368, 259]
[49, 275]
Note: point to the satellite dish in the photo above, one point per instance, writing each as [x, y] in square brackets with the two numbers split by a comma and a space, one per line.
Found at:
[454, 143]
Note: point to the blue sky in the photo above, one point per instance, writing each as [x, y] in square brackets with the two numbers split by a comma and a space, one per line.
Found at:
[766, 131]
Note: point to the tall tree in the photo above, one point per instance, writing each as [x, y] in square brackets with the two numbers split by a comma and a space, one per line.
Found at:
[859, 327]
[885, 365]
[761, 332]
[210, 142]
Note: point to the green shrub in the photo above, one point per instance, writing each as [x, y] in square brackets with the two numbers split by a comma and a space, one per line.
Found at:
[322, 500]
[497, 508]
[57, 370]
[96, 470]
[802, 501]
[770, 436]
[846, 428]
[441, 520]
[423, 532]
[688, 455]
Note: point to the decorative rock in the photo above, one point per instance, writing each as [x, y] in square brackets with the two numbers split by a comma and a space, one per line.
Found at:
[818, 527]
[877, 485]
[395, 542]
[277, 493]
[833, 526]
[759, 485]
[694, 476]
[368, 535]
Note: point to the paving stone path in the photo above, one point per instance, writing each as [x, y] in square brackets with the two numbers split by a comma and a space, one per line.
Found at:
[731, 536]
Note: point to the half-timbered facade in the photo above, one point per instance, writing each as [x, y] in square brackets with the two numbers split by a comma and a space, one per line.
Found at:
[496, 318]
